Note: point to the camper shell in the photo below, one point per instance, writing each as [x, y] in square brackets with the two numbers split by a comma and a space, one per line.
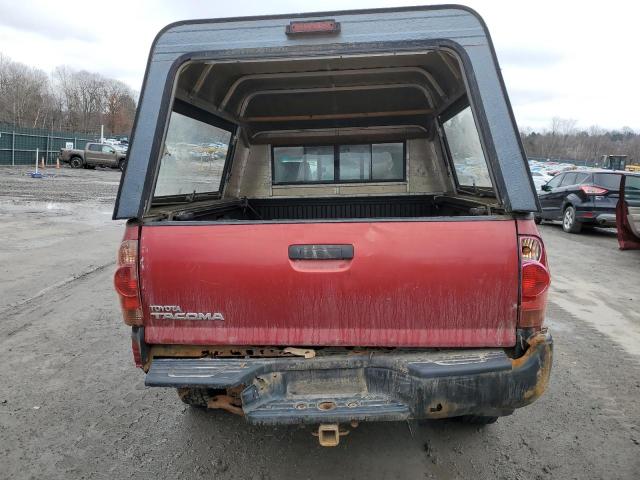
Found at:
[238, 58]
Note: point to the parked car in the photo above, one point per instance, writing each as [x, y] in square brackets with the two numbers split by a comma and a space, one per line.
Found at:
[581, 198]
[93, 155]
[540, 179]
[328, 269]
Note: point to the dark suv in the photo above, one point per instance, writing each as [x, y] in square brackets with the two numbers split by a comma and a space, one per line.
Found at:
[580, 198]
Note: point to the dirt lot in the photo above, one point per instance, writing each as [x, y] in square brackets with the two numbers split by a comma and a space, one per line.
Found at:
[73, 406]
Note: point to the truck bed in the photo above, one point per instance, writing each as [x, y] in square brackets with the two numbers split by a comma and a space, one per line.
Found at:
[327, 208]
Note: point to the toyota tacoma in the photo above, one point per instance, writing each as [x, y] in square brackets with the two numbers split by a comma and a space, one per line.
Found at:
[362, 247]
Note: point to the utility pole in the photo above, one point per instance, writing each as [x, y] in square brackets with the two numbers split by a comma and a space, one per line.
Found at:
[101, 133]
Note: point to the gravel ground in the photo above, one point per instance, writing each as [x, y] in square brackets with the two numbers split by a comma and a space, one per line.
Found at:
[73, 406]
[64, 185]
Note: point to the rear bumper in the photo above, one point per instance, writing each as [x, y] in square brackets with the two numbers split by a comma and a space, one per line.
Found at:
[605, 217]
[370, 386]
[598, 219]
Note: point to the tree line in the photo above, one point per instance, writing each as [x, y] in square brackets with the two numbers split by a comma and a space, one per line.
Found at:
[563, 140]
[81, 101]
[66, 99]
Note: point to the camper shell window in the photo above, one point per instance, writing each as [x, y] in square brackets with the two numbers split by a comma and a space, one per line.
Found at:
[373, 162]
[464, 147]
[194, 154]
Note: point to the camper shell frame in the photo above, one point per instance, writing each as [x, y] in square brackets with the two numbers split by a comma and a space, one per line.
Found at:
[362, 32]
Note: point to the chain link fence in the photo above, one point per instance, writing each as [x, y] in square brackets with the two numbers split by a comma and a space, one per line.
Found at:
[18, 145]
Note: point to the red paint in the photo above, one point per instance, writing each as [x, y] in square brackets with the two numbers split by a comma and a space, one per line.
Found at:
[626, 238]
[426, 284]
[528, 227]
[135, 349]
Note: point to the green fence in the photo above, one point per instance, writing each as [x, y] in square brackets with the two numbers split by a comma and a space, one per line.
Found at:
[18, 145]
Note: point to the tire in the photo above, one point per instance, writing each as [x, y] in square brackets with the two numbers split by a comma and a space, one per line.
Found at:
[477, 419]
[569, 222]
[121, 165]
[194, 397]
[197, 397]
[75, 162]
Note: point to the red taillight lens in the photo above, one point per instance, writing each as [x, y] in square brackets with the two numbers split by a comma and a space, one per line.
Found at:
[126, 278]
[125, 282]
[535, 281]
[591, 190]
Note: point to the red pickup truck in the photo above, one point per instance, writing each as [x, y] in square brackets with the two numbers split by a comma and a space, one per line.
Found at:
[330, 220]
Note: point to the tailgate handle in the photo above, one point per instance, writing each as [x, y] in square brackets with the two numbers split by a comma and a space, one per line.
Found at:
[320, 252]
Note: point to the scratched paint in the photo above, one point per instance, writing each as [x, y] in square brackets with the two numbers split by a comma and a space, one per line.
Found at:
[432, 284]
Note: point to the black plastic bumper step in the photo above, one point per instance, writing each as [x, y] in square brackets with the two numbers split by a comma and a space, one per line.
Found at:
[344, 409]
[204, 372]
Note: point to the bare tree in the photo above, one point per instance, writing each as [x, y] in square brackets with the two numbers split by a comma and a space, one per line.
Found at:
[66, 100]
[119, 107]
[564, 141]
[24, 93]
[91, 100]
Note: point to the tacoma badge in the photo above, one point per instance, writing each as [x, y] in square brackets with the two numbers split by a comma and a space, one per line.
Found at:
[174, 312]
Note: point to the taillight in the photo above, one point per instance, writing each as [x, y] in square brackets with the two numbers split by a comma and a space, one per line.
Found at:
[591, 190]
[535, 281]
[530, 248]
[126, 278]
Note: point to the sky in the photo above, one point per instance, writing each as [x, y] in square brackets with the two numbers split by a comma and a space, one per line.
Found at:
[562, 58]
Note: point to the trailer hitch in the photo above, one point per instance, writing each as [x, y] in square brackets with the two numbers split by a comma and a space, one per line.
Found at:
[329, 433]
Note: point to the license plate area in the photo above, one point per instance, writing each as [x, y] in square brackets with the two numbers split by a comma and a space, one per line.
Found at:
[326, 383]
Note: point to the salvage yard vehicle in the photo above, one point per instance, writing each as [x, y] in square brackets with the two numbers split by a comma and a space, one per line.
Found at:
[365, 250]
[614, 162]
[94, 155]
[540, 179]
[581, 199]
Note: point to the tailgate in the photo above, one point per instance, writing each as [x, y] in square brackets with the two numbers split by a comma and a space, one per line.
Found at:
[411, 284]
